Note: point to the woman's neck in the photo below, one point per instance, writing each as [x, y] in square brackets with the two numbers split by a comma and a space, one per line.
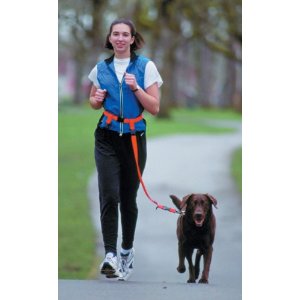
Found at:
[122, 55]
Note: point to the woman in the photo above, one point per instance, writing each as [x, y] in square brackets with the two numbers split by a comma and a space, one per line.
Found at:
[124, 85]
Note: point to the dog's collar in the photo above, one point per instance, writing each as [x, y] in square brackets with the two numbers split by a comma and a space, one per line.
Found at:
[183, 209]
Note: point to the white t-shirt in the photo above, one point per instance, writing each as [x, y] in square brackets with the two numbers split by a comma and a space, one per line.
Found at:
[151, 73]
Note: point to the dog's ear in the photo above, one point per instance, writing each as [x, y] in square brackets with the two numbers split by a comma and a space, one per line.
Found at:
[186, 198]
[185, 201]
[212, 199]
[176, 201]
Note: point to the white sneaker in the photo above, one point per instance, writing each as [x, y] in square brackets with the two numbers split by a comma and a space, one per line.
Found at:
[109, 266]
[126, 265]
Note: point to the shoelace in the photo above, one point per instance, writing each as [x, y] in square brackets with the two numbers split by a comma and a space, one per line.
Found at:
[111, 260]
[124, 261]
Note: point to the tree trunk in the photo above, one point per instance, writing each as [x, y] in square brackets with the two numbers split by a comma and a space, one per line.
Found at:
[230, 83]
[205, 78]
[78, 97]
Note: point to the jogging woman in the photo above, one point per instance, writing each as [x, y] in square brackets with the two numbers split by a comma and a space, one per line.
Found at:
[124, 85]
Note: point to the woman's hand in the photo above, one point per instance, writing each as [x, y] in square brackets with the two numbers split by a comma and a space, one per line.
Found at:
[97, 97]
[100, 95]
[131, 81]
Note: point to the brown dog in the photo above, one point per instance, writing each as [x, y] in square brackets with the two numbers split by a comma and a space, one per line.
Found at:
[196, 228]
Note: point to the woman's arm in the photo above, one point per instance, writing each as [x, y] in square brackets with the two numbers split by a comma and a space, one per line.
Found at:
[149, 98]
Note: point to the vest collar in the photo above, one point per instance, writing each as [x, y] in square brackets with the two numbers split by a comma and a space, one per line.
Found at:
[133, 57]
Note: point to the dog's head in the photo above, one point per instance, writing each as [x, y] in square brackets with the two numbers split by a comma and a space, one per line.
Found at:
[195, 206]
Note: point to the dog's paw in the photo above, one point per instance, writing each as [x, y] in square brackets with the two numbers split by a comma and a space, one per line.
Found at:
[181, 269]
[203, 280]
[191, 281]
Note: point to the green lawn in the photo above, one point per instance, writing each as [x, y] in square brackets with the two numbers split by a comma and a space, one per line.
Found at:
[76, 247]
[236, 168]
[76, 252]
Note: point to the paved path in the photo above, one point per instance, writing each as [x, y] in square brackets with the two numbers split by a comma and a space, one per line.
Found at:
[177, 165]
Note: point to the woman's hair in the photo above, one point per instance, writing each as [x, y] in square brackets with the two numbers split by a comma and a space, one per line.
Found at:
[138, 39]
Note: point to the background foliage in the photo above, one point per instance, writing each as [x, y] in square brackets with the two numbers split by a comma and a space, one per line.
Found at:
[196, 46]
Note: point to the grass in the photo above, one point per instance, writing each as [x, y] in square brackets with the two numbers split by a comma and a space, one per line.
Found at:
[206, 113]
[190, 120]
[236, 168]
[76, 233]
[77, 238]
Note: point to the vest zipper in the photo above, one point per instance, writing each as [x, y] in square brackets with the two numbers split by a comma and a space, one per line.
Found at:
[121, 105]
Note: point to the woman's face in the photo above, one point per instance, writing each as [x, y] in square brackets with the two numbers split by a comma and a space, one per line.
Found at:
[121, 39]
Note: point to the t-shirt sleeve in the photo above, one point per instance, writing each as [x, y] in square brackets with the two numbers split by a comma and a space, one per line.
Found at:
[152, 75]
[93, 77]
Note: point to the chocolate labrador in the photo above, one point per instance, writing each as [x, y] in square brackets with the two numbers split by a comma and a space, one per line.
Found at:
[196, 228]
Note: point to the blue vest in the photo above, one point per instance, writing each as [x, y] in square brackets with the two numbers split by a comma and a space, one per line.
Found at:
[120, 100]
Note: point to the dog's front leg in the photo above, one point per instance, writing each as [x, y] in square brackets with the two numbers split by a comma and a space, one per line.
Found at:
[181, 255]
[207, 261]
[189, 254]
[197, 263]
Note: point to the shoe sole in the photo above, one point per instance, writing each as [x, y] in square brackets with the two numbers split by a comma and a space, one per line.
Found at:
[109, 271]
[112, 276]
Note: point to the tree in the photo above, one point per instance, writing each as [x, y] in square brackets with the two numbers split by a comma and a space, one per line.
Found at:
[80, 33]
[196, 41]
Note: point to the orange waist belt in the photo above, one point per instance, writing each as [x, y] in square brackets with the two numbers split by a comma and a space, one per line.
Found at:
[131, 123]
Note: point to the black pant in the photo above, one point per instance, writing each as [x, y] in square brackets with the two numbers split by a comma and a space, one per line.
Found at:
[118, 183]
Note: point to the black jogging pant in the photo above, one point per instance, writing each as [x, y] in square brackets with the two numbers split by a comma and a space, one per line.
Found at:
[118, 184]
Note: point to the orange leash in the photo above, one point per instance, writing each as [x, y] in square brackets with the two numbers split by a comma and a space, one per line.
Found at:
[131, 123]
[136, 158]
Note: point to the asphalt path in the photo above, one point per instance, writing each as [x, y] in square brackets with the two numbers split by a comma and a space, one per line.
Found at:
[179, 164]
